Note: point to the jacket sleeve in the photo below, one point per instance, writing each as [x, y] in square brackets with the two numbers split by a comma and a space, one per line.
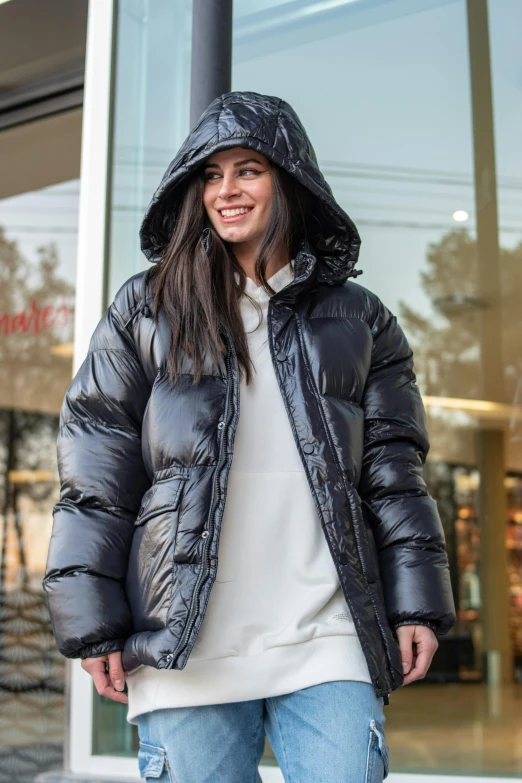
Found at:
[102, 481]
[407, 529]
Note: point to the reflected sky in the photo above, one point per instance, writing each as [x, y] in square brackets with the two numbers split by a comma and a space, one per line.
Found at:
[384, 93]
[43, 216]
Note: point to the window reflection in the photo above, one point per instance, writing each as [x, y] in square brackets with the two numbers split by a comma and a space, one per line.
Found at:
[37, 269]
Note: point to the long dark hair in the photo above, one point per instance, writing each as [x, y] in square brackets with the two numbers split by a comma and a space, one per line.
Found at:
[197, 289]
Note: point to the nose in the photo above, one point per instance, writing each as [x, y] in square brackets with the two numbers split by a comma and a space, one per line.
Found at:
[229, 186]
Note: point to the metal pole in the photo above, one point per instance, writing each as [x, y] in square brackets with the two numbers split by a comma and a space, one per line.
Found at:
[211, 73]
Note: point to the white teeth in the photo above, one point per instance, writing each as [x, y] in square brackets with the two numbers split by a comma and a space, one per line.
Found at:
[233, 212]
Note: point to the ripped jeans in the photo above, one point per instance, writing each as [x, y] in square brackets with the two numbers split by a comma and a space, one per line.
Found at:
[327, 733]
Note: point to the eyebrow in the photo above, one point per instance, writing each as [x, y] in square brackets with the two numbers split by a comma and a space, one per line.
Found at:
[239, 163]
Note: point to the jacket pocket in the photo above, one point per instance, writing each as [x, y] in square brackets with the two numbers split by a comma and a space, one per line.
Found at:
[370, 520]
[164, 495]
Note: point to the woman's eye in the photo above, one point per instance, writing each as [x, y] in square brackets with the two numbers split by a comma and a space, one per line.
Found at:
[212, 175]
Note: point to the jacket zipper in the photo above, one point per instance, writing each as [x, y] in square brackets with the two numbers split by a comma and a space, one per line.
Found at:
[193, 613]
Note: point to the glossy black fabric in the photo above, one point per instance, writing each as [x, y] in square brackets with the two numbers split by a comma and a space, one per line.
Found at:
[144, 464]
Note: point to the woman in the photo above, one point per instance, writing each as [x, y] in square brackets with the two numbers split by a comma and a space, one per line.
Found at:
[247, 367]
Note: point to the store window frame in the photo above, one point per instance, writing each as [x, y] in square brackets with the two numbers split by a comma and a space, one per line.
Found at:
[90, 305]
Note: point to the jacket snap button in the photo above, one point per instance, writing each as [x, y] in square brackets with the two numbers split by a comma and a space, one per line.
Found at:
[204, 534]
[281, 356]
[343, 558]
[170, 657]
[221, 425]
[308, 448]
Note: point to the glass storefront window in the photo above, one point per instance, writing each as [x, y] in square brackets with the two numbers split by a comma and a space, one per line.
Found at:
[151, 119]
[38, 234]
[384, 90]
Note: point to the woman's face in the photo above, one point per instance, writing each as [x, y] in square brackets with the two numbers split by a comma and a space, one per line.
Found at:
[238, 194]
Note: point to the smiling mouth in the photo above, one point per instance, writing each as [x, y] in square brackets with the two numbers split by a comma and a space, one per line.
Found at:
[234, 214]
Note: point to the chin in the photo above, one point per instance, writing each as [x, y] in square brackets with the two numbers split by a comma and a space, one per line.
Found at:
[235, 238]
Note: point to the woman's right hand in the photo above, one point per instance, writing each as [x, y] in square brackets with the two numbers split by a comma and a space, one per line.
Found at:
[108, 683]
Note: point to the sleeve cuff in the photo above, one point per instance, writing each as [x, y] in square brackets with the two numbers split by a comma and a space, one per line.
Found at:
[427, 623]
[100, 648]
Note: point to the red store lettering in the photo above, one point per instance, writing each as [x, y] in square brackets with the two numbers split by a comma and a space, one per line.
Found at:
[35, 319]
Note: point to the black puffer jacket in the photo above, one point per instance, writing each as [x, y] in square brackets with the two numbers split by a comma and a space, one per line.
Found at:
[144, 464]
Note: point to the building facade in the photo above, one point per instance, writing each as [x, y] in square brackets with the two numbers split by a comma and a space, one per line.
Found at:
[414, 108]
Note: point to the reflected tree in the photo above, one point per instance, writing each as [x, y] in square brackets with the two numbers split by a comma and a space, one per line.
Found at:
[35, 370]
[446, 342]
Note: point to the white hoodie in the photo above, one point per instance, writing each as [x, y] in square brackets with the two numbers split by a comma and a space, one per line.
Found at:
[277, 620]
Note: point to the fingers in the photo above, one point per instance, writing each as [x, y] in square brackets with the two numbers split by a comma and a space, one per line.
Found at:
[424, 645]
[405, 635]
[102, 678]
[420, 668]
[116, 673]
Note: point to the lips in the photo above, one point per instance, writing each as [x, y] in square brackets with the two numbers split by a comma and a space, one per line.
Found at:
[234, 218]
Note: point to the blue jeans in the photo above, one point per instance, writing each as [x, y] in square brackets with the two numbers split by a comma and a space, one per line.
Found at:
[328, 733]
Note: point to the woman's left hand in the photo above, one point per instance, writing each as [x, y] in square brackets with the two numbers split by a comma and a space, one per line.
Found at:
[418, 644]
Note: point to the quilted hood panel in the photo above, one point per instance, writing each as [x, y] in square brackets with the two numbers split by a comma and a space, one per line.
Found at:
[270, 126]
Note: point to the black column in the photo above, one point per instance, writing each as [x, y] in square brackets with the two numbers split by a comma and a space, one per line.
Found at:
[211, 73]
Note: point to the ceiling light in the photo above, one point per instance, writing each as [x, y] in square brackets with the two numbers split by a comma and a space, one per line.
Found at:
[481, 408]
[64, 349]
[460, 215]
[29, 476]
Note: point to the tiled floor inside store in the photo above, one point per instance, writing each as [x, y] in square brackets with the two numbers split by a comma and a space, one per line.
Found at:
[456, 728]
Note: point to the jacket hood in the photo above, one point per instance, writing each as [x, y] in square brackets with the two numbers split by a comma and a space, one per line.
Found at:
[270, 126]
